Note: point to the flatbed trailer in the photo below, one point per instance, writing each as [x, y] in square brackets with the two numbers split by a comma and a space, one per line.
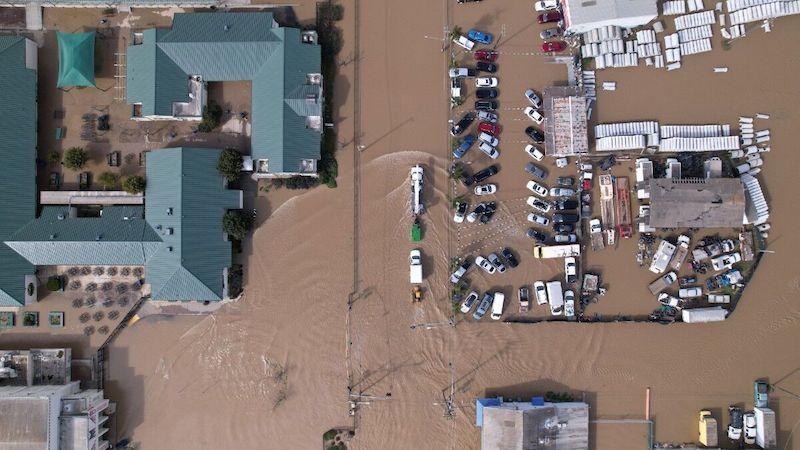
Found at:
[606, 183]
[622, 206]
[597, 241]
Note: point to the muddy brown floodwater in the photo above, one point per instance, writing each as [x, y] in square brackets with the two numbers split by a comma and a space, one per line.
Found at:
[270, 371]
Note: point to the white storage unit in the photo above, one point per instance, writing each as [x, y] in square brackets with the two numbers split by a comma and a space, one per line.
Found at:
[699, 144]
[606, 33]
[672, 41]
[756, 210]
[695, 20]
[674, 7]
[695, 5]
[694, 47]
[612, 143]
[646, 36]
[648, 50]
[735, 5]
[625, 129]
[695, 34]
[765, 11]
[692, 131]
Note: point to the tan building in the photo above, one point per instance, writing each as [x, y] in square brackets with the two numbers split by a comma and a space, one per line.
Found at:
[696, 203]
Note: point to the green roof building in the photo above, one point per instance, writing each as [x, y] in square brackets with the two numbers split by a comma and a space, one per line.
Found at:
[75, 59]
[177, 236]
[167, 72]
[18, 149]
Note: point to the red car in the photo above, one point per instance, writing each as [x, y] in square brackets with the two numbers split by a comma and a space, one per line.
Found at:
[554, 46]
[550, 16]
[490, 128]
[486, 55]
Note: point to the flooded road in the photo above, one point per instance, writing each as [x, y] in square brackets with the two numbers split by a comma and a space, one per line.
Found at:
[272, 371]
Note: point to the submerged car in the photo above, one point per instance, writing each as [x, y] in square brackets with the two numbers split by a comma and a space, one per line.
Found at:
[485, 105]
[487, 67]
[486, 93]
[487, 116]
[495, 261]
[545, 5]
[554, 46]
[486, 82]
[461, 212]
[532, 97]
[480, 36]
[565, 218]
[540, 291]
[537, 188]
[486, 302]
[464, 146]
[536, 135]
[488, 127]
[569, 303]
[561, 192]
[538, 204]
[462, 124]
[550, 33]
[571, 270]
[536, 235]
[490, 151]
[484, 264]
[534, 115]
[536, 171]
[549, 17]
[480, 208]
[534, 152]
[460, 271]
[485, 189]
[485, 55]
[469, 302]
[537, 219]
[484, 174]
[509, 257]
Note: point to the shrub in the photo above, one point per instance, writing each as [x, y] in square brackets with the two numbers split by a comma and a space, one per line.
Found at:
[75, 158]
[330, 434]
[236, 224]
[211, 117]
[301, 182]
[31, 288]
[108, 180]
[229, 164]
[235, 280]
[53, 157]
[53, 284]
[134, 184]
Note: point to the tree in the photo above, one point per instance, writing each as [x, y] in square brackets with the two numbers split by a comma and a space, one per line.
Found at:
[108, 180]
[134, 184]
[236, 224]
[211, 117]
[455, 32]
[229, 164]
[75, 158]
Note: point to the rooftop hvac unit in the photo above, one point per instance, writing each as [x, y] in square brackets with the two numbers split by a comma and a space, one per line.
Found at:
[169, 231]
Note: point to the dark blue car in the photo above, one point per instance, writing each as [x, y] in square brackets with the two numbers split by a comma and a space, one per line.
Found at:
[479, 36]
[465, 145]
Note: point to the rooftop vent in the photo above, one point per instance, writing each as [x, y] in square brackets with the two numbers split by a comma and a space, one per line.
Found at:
[169, 231]
[169, 211]
[169, 249]
[52, 236]
[99, 237]
[61, 216]
[227, 27]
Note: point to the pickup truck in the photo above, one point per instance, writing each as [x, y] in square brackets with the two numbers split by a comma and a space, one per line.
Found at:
[681, 253]
[415, 262]
[662, 283]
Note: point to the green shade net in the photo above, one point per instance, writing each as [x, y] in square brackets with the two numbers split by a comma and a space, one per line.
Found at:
[75, 59]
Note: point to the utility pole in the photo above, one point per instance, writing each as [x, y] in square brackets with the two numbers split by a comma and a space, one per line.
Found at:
[431, 325]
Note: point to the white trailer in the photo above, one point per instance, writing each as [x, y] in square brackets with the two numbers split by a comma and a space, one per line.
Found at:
[416, 190]
[765, 428]
[703, 315]
[556, 298]
[556, 251]
[662, 257]
[415, 264]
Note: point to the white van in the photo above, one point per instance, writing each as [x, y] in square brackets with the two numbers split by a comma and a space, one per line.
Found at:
[555, 297]
[497, 305]
[690, 292]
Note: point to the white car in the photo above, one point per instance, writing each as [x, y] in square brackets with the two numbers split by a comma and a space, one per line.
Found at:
[534, 115]
[595, 226]
[537, 188]
[486, 82]
[584, 166]
[538, 204]
[490, 151]
[531, 95]
[489, 139]
[457, 72]
[570, 269]
[469, 302]
[569, 303]
[484, 264]
[534, 152]
[562, 162]
[497, 305]
[541, 292]
[545, 5]
[669, 300]
[690, 292]
[725, 262]
[465, 43]
[536, 218]
[486, 116]
[485, 189]
[561, 192]
[749, 428]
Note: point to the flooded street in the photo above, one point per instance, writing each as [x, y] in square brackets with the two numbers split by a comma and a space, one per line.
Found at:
[272, 371]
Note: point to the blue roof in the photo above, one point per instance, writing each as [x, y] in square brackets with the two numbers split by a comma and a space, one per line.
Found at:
[18, 149]
[236, 47]
[185, 201]
[481, 403]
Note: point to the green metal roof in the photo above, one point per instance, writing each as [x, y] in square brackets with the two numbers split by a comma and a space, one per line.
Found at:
[119, 237]
[18, 150]
[75, 59]
[185, 201]
[235, 47]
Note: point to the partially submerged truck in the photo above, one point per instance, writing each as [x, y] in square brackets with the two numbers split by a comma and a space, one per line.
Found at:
[765, 428]
[556, 251]
[556, 298]
[708, 429]
[662, 283]
[681, 253]
[704, 315]
[662, 257]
